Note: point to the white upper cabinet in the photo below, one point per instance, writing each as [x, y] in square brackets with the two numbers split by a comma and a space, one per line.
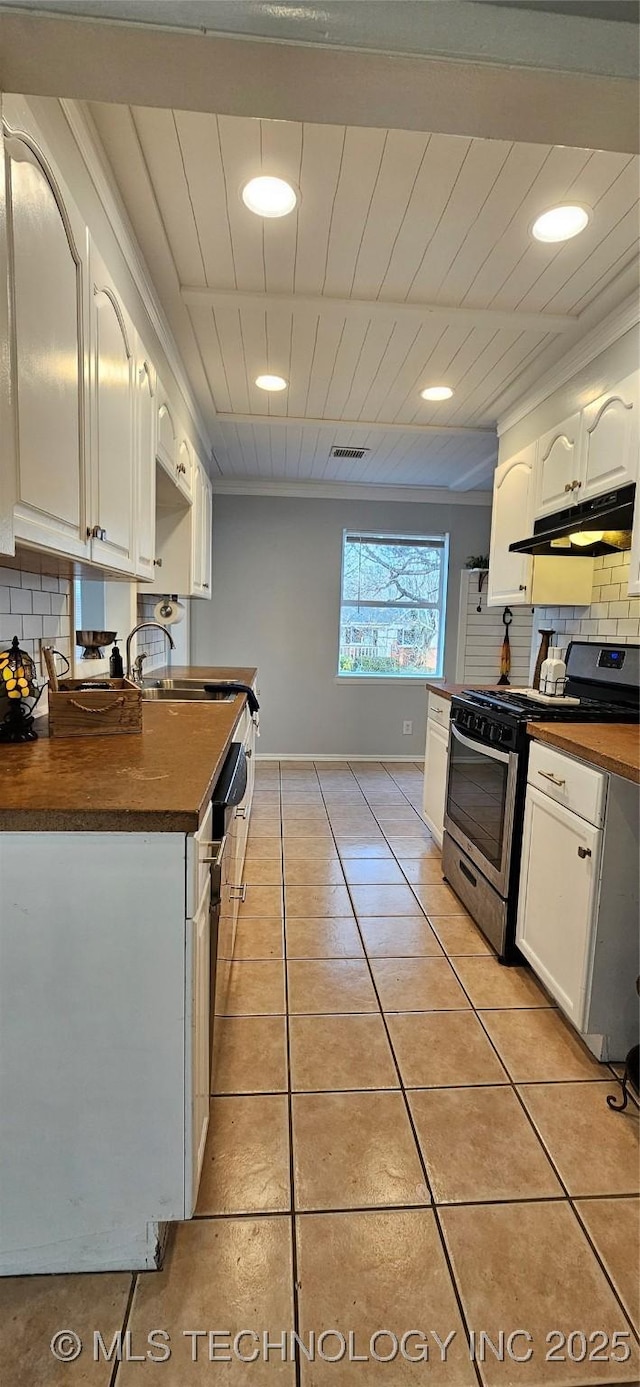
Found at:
[48, 277]
[7, 433]
[112, 438]
[167, 443]
[610, 438]
[201, 534]
[558, 476]
[185, 468]
[146, 413]
[511, 519]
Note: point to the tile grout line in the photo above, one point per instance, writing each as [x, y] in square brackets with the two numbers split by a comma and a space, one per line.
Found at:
[292, 1198]
[432, 1204]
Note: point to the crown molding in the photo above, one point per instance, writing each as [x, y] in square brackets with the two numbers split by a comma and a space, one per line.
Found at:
[342, 491]
[621, 320]
[88, 143]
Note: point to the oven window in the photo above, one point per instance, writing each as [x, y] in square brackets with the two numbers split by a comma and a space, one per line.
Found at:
[476, 798]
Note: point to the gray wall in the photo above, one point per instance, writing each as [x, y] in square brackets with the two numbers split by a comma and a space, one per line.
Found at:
[276, 602]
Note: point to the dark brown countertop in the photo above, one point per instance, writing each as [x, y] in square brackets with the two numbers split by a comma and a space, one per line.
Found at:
[614, 746]
[448, 690]
[159, 781]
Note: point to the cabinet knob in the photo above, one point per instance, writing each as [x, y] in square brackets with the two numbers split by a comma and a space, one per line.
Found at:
[182, 468]
[575, 486]
[205, 585]
[249, 752]
[568, 486]
[157, 563]
[522, 587]
[584, 852]
[96, 532]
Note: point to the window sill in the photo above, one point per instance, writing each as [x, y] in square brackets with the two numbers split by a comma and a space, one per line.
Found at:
[400, 681]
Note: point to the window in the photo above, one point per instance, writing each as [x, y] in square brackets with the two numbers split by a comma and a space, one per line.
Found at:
[392, 610]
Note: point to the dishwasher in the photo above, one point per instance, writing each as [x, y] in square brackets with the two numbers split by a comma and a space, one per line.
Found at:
[230, 789]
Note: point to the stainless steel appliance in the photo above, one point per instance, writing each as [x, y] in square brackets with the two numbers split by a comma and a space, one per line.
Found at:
[487, 772]
[228, 793]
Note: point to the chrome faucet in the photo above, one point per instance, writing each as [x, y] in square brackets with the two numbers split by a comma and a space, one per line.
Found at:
[143, 626]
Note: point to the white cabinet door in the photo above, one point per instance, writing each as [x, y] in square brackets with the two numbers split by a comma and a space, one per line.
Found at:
[197, 1050]
[201, 534]
[8, 470]
[207, 537]
[557, 904]
[112, 441]
[511, 519]
[167, 443]
[185, 468]
[48, 275]
[610, 439]
[557, 467]
[435, 778]
[145, 466]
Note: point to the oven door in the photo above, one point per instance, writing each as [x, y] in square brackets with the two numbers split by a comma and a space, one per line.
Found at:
[481, 791]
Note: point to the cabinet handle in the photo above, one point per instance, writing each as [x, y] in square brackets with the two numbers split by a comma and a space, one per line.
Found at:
[555, 779]
[241, 813]
[584, 852]
[249, 752]
[522, 587]
[96, 532]
[242, 893]
[569, 486]
[182, 468]
[575, 486]
[205, 585]
[157, 563]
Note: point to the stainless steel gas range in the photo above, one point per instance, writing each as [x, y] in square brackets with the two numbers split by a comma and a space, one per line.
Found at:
[487, 773]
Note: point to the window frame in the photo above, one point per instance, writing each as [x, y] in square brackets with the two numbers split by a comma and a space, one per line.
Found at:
[391, 537]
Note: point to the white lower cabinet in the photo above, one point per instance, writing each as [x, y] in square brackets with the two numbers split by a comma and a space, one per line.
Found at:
[436, 760]
[197, 1087]
[578, 901]
[560, 867]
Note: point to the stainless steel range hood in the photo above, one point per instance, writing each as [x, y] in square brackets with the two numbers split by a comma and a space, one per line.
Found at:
[599, 526]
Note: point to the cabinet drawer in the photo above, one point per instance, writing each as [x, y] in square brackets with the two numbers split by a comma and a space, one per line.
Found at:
[199, 853]
[570, 783]
[439, 709]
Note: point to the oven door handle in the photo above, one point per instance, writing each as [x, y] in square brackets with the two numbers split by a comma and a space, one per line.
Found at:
[481, 747]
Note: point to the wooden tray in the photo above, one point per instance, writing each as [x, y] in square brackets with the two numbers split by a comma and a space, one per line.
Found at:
[95, 712]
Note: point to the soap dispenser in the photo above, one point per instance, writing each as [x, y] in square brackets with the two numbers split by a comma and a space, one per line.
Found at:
[116, 667]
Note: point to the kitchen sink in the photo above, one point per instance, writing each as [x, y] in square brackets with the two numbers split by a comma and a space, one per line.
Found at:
[183, 691]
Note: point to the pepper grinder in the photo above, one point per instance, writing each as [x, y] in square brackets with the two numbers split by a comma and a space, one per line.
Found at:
[546, 638]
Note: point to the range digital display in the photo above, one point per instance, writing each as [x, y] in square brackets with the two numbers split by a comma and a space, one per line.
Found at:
[611, 659]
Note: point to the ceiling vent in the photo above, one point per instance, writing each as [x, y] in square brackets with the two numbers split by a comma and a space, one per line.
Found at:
[338, 452]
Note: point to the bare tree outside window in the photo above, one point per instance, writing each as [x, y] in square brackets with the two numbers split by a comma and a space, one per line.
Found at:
[392, 605]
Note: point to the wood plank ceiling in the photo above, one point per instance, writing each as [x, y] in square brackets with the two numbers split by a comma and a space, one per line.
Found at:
[407, 262]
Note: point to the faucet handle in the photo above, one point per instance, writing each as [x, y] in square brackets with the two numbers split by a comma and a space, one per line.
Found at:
[137, 667]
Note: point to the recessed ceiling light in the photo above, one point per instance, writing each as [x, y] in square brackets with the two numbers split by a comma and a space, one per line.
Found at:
[271, 382]
[269, 197]
[437, 392]
[560, 223]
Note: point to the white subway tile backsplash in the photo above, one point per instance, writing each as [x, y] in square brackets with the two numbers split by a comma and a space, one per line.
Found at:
[31, 627]
[5, 604]
[612, 614]
[50, 584]
[12, 577]
[59, 603]
[8, 625]
[42, 603]
[21, 601]
[32, 581]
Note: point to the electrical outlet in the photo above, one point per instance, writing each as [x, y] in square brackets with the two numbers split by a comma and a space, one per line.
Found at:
[407, 729]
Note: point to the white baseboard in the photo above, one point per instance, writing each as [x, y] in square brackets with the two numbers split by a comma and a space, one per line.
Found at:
[311, 756]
